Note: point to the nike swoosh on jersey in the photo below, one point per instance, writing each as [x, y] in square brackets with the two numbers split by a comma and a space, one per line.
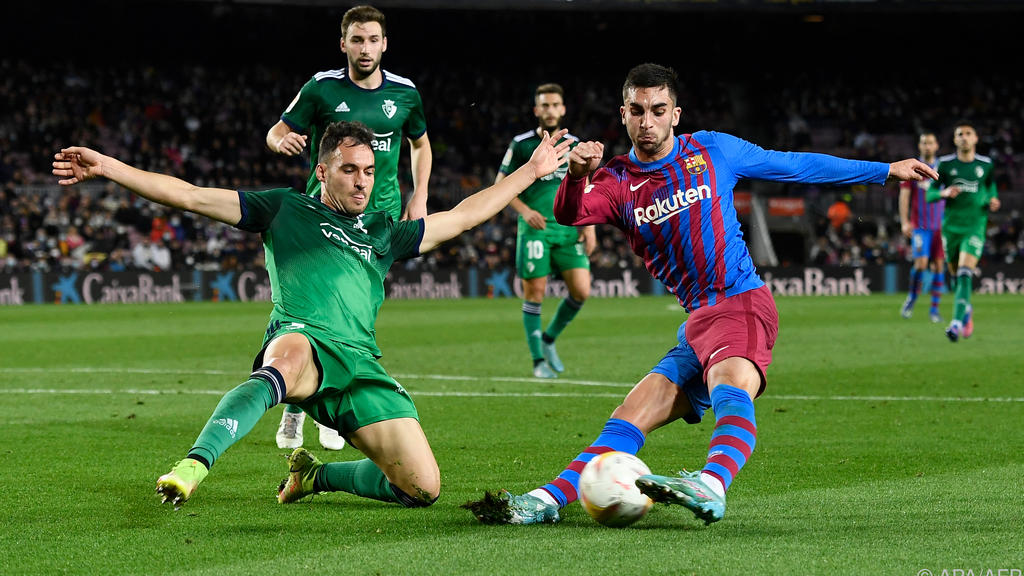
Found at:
[588, 189]
[717, 351]
[633, 188]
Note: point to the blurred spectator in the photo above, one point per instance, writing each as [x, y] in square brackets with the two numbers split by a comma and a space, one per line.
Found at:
[839, 212]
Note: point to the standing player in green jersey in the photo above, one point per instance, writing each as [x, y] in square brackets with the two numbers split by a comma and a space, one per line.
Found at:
[965, 182]
[543, 245]
[391, 107]
[327, 258]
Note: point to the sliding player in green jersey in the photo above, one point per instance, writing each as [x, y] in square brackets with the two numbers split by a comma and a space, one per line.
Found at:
[543, 245]
[327, 258]
[391, 106]
[965, 182]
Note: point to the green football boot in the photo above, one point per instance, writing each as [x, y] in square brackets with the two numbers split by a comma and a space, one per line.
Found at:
[178, 485]
[302, 469]
[508, 508]
[687, 490]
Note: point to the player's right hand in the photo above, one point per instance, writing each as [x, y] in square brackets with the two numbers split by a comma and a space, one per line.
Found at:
[951, 191]
[291, 144]
[77, 164]
[585, 158]
[535, 219]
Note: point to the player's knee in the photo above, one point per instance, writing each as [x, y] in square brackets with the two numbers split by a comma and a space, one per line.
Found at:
[580, 292]
[533, 293]
[737, 372]
[417, 495]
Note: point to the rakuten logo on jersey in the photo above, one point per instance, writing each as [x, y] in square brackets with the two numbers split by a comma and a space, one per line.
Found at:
[665, 208]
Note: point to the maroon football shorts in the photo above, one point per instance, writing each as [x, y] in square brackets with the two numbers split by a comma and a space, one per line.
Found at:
[743, 325]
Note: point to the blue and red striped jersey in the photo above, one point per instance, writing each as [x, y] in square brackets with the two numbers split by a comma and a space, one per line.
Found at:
[923, 215]
[678, 213]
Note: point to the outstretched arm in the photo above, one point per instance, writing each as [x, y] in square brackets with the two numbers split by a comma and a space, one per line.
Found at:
[479, 207]
[78, 164]
[749, 160]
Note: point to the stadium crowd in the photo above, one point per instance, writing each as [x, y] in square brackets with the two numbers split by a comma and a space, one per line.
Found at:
[207, 124]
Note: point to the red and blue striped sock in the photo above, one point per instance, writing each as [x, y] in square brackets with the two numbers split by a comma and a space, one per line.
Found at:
[938, 281]
[617, 435]
[735, 433]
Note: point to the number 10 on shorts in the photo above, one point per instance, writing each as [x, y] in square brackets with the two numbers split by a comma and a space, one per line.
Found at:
[534, 249]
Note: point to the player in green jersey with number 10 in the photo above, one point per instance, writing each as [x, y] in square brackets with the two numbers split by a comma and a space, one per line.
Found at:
[965, 182]
[543, 245]
[327, 258]
[391, 106]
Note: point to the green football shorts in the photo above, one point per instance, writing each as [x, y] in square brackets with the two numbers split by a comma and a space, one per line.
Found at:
[954, 243]
[552, 250]
[355, 391]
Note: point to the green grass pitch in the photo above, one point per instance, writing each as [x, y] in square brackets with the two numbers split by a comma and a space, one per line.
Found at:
[882, 448]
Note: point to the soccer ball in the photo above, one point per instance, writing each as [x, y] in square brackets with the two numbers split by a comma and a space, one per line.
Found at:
[608, 489]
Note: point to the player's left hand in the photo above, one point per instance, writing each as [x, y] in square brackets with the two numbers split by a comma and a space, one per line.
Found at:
[77, 164]
[589, 239]
[417, 207]
[548, 157]
[994, 204]
[908, 230]
[911, 169]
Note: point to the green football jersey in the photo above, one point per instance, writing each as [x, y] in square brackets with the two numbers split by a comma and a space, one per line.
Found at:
[540, 196]
[327, 269]
[968, 212]
[392, 111]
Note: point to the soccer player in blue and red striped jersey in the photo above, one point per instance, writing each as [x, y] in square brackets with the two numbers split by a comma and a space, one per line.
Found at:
[922, 223]
[672, 196]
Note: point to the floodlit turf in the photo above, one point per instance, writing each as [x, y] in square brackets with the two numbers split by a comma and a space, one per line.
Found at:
[882, 448]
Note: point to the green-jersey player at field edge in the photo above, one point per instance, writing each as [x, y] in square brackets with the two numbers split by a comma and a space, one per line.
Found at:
[327, 258]
[391, 106]
[544, 246]
[966, 184]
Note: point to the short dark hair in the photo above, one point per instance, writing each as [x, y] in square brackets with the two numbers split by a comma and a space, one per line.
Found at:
[350, 134]
[964, 122]
[652, 76]
[362, 15]
[549, 88]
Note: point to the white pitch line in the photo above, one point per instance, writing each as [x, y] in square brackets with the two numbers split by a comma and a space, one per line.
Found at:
[512, 379]
[442, 377]
[456, 394]
[101, 370]
[178, 372]
[896, 398]
[143, 392]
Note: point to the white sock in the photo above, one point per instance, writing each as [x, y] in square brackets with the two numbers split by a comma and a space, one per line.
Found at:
[714, 483]
[544, 496]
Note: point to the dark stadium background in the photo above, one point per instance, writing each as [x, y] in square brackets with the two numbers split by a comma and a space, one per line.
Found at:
[862, 77]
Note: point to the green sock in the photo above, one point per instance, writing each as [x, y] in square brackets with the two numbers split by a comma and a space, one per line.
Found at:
[292, 409]
[235, 415]
[964, 278]
[567, 310]
[531, 322]
[362, 478]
